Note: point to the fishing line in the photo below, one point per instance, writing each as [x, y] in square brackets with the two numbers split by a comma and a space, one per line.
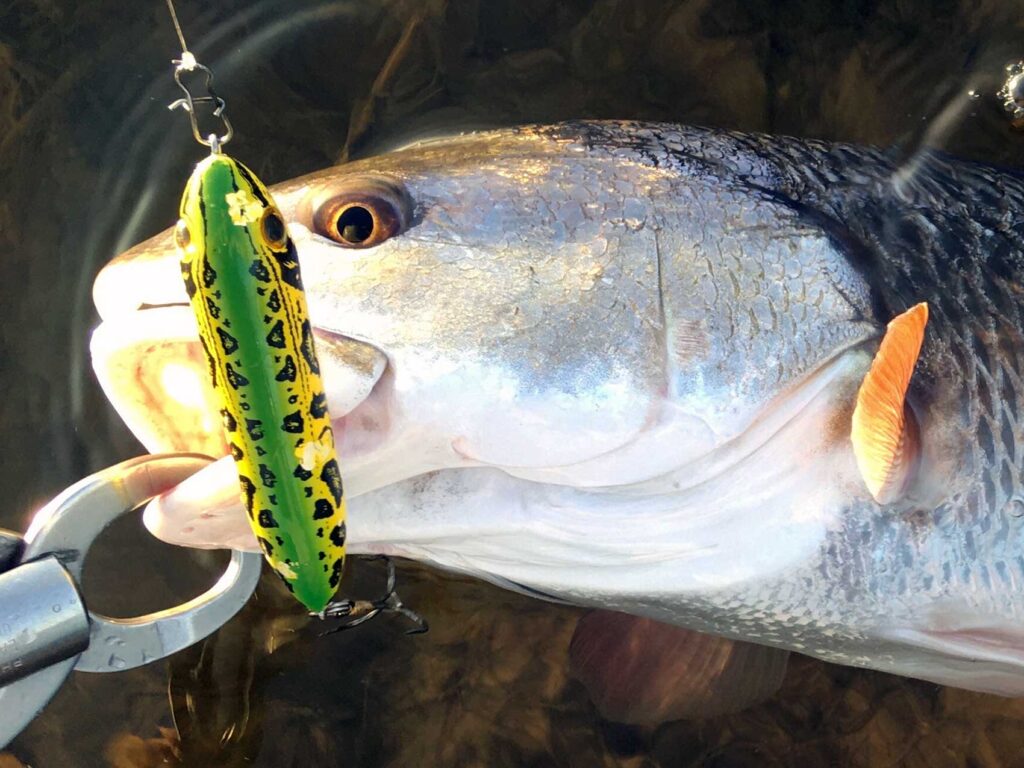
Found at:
[177, 28]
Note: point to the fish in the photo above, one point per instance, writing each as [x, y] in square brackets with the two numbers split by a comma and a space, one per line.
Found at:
[242, 277]
[616, 364]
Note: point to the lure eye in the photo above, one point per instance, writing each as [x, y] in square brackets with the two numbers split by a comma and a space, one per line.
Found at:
[182, 235]
[273, 229]
[366, 215]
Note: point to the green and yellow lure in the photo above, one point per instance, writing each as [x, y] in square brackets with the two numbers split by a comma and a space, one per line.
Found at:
[241, 272]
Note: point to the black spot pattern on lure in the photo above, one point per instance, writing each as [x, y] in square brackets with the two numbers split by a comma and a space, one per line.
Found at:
[209, 274]
[248, 492]
[227, 341]
[318, 406]
[276, 336]
[235, 379]
[293, 423]
[338, 534]
[274, 301]
[336, 572]
[259, 270]
[190, 284]
[267, 477]
[289, 264]
[308, 352]
[331, 475]
[322, 509]
[244, 270]
[288, 371]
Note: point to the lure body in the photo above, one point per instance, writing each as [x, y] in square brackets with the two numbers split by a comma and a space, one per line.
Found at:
[242, 276]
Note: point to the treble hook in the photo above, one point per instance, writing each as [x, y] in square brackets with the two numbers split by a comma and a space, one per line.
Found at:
[361, 611]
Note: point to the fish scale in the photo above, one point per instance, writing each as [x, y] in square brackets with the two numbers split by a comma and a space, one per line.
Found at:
[246, 292]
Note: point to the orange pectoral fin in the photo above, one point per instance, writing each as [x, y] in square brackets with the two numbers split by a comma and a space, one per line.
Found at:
[884, 434]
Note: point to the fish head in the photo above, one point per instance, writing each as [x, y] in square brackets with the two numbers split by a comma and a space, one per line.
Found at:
[502, 295]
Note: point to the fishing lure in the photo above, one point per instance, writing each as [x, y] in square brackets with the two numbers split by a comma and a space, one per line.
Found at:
[241, 272]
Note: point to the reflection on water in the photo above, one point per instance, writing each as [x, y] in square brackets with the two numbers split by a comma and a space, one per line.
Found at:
[91, 162]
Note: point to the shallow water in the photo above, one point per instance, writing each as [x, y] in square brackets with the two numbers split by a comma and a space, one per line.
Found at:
[92, 162]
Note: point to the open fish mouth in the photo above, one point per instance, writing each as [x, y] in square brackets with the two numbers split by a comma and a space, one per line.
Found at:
[150, 363]
[153, 370]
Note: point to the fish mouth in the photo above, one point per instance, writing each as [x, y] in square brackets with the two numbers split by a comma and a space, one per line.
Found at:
[152, 368]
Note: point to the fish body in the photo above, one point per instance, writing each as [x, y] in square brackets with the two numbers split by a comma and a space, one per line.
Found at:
[241, 274]
[616, 364]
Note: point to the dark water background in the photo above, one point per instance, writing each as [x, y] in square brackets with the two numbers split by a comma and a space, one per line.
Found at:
[91, 162]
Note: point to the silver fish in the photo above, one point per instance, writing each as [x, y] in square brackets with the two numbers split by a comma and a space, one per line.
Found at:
[614, 364]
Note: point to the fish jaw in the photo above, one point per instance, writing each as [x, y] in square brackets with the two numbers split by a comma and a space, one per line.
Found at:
[690, 528]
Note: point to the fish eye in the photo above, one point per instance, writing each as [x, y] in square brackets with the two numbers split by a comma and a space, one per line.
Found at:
[273, 229]
[367, 213]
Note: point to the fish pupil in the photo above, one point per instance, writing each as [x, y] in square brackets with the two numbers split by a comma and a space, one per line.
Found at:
[355, 224]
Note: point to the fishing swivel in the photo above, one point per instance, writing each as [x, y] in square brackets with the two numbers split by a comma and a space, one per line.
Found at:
[361, 611]
[186, 65]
